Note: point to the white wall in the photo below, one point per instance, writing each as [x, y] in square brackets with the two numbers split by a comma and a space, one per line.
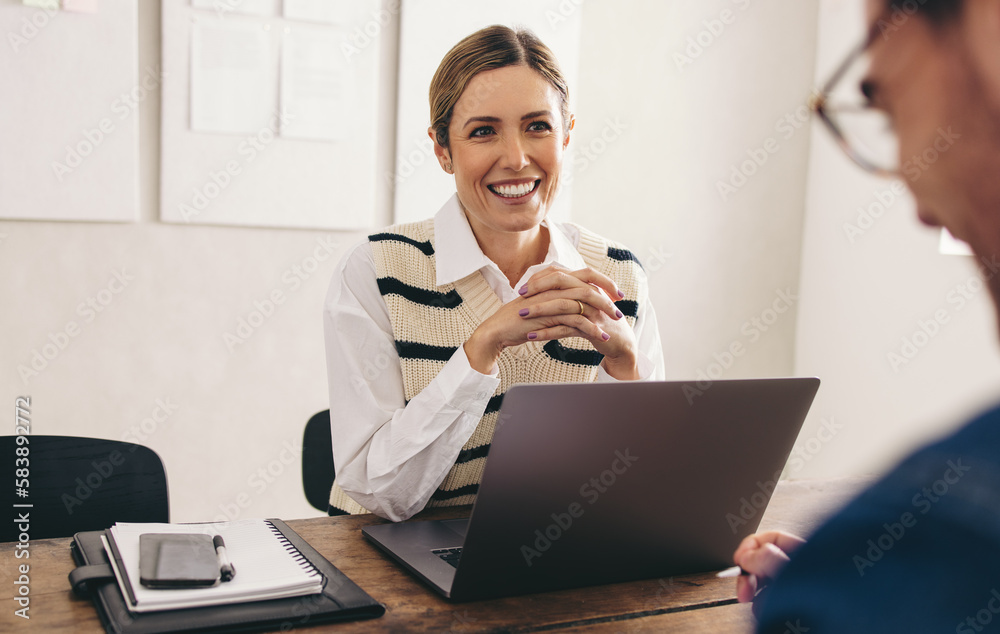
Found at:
[688, 114]
[863, 295]
[161, 338]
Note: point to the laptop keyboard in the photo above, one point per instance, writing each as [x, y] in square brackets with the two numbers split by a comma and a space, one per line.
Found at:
[449, 555]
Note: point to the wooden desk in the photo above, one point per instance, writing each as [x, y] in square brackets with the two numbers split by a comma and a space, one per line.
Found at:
[676, 604]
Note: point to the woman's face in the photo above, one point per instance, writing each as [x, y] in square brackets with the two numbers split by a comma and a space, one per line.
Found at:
[507, 142]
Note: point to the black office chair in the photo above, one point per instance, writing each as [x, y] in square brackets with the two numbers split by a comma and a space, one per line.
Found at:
[80, 484]
[317, 461]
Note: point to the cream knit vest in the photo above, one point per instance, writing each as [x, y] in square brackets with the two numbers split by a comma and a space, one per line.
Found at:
[430, 322]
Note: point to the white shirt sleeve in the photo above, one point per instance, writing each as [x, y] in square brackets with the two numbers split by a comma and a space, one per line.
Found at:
[390, 456]
[647, 338]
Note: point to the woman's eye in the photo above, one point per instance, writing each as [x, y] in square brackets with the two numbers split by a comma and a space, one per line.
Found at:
[481, 132]
[539, 126]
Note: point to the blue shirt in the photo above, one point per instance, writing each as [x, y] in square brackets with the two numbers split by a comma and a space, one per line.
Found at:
[917, 552]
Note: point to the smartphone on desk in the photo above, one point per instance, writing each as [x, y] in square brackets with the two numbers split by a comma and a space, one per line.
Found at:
[168, 560]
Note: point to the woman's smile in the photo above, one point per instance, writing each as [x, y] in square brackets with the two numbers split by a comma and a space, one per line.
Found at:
[514, 192]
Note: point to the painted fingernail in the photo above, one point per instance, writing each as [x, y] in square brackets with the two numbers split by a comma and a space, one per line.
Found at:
[523, 290]
[621, 295]
[605, 336]
[532, 335]
[619, 313]
[523, 312]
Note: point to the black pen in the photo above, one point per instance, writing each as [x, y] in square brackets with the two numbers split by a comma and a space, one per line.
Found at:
[226, 570]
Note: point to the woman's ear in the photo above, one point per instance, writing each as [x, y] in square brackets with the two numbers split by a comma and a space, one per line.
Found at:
[572, 124]
[442, 153]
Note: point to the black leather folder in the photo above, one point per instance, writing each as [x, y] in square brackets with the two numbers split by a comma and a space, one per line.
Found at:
[340, 600]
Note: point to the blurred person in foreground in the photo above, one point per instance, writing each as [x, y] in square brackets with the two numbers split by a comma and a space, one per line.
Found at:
[919, 551]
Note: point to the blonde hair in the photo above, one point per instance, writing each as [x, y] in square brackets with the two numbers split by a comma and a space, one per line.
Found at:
[494, 47]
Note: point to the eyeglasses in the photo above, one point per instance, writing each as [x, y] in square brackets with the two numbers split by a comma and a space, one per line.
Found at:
[864, 132]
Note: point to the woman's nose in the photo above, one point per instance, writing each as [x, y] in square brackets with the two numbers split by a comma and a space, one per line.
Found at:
[514, 156]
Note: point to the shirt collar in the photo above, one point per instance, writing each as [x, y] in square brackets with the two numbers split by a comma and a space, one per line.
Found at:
[457, 253]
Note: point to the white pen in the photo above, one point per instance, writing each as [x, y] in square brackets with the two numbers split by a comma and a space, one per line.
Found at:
[735, 571]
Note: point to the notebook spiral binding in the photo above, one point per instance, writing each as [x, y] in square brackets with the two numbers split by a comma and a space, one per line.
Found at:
[290, 548]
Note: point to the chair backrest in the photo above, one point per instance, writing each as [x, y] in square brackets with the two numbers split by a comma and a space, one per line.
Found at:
[79, 484]
[317, 461]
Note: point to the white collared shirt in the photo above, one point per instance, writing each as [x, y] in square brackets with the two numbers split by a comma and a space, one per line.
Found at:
[391, 456]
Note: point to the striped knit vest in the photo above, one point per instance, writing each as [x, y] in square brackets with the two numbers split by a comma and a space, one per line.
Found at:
[430, 322]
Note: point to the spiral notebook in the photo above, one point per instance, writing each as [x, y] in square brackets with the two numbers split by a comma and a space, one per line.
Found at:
[268, 566]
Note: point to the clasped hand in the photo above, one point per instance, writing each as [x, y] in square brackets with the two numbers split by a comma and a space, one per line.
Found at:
[554, 304]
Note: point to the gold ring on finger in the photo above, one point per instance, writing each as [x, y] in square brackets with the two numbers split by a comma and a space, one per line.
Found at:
[581, 306]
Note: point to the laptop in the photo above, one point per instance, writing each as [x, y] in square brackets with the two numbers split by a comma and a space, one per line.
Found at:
[597, 483]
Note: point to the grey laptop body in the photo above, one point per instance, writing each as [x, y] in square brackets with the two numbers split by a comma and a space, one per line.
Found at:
[598, 483]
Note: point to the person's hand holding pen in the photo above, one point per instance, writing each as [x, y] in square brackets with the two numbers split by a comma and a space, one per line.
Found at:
[760, 556]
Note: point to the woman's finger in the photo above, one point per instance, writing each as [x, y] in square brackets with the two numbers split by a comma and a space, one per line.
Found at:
[584, 293]
[561, 278]
[583, 328]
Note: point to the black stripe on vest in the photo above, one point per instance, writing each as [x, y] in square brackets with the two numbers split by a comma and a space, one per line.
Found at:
[624, 255]
[468, 455]
[560, 352]
[392, 286]
[412, 350]
[426, 247]
[468, 489]
[628, 307]
[494, 404]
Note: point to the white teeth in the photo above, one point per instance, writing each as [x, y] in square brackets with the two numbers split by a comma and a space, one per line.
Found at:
[514, 191]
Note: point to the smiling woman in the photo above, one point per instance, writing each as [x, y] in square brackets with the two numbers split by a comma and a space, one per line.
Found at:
[425, 331]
